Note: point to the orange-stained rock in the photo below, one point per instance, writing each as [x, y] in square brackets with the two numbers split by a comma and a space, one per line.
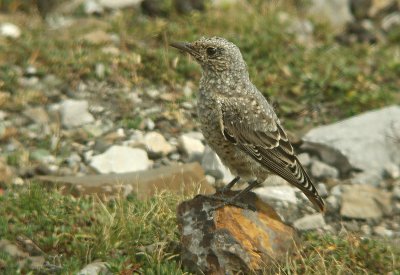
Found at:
[231, 239]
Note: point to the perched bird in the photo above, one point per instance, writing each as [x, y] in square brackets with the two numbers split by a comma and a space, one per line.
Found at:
[239, 124]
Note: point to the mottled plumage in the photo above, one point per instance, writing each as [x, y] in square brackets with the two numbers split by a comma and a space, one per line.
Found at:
[237, 121]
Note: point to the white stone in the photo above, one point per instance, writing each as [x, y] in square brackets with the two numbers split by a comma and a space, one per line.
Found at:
[322, 190]
[310, 222]
[213, 166]
[94, 268]
[120, 159]
[119, 4]
[281, 193]
[392, 171]
[335, 12]
[333, 202]
[322, 170]
[92, 7]
[191, 147]
[391, 21]
[382, 231]
[304, 159]
[10, 30]
[367, 140]
[156, 144]
[75, 113]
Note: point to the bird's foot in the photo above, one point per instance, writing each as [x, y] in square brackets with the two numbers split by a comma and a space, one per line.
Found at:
[224, 201]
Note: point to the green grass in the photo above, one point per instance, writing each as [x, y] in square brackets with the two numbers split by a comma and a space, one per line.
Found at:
[320, 84]
[143, 235]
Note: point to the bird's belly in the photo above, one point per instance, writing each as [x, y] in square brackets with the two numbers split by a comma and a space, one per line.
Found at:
[238, 162]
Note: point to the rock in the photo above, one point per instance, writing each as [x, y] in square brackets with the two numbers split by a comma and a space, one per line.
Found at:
[214, 166]
[178, 179]
[395, 192]
[365, 140]
[37, 115]
[75, 113]
[304, 159]
[95, 268]
[335, 12]
[282, 193]
[381, 231]
[379, 7]
[322, 190]
[392, 171]
[12, 250]
[100, 70]
[322, 170]
[366, 229]
[92, 7]
[191, 147]
[365, 202]
[156, 145]
[6, 172]
[119, 4]
[10, 30]
[232, 240]
[391, 22]
[310, 222]
[121, 159]
[98, 37]
[333, 203]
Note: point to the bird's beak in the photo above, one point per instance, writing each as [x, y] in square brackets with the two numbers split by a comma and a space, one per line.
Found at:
[183, 46]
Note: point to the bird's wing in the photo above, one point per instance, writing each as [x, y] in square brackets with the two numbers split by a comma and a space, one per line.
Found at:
[255, 129]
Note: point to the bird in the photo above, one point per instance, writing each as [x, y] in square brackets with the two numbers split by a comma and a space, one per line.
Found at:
[239, 124]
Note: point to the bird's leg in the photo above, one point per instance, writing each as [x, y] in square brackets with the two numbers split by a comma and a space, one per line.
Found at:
[230, 185]
[233, 201]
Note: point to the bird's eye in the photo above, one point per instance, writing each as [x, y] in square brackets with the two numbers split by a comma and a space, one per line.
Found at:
[211, 51]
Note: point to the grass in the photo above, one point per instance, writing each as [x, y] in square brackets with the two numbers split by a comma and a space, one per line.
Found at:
[320, 84]
[142, 235]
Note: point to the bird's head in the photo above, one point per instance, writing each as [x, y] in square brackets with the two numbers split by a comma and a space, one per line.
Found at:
[215, 53]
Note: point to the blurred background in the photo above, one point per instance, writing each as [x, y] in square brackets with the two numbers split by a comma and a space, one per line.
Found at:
[86, 81]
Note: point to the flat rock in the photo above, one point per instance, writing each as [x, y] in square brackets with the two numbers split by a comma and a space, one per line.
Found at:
[10, 30]
[179, 179]
[322, 170]
[232, 240]
[121, 159]
[156, 145]
[94, 269]
[310, 222]
[283, 193]
[193, 148]
[365, 140]
[335, 12]
[365, 202]
[75, 113]
[213, 166]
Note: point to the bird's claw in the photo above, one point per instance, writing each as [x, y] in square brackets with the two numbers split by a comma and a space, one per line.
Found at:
[229, 201]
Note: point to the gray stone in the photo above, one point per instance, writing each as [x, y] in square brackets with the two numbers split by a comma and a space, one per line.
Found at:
[95, 268]
[191, 147]
[391, 21]
[310, 222]
[396, 192]
[365, 202]
[322, 190]
[75, 113]
[332, 202]
[366, 229]
[119, 4]
[365, 140]
[213, 166]
[281, 193]
[10, 30]
[156, 145]
[335, 12]
[37, 115]
[382, 231]
[322, 170]
[92, 7]
[392, 171]
[100, 70]
[120, 159]
[304, 159]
